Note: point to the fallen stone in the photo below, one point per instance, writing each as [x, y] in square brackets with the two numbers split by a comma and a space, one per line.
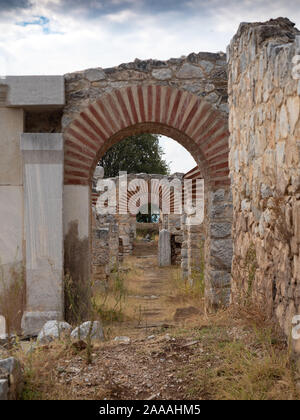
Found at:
[83, 331]
[123, 339]
[150, 337]
[53, 330]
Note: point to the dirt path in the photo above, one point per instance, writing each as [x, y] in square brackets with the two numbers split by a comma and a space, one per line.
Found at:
[152, 285]
[149, 366]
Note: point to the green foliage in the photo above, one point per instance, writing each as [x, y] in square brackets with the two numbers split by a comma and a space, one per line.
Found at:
[135, 154]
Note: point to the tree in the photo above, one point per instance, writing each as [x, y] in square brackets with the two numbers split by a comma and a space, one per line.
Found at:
[135, 154]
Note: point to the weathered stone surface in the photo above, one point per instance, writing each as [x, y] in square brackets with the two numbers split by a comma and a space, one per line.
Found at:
[83, 331]
[43, 161]
[10, 370]
[206, 65]
[36, 91]
[263, 126]
[221, 252]
[32, 322]
[94, 75]
[2, 325]
[219, 279]
[122, 339]
[12, 125]
[164, 248]
[52, 330]
[3, 389]
[188, 71]
[162, 74]
[220, 229]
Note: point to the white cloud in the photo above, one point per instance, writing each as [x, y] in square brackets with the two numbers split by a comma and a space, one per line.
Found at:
[177, 156]
[122, 16]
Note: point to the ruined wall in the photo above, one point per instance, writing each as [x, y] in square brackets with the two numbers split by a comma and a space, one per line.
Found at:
[203, 74]
[265, 167]
[127, 231]
[175, 229]
[105, 247]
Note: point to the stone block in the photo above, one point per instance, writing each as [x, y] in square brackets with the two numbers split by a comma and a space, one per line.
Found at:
[219, 279]
[33, 322]
[296, 220]
[220, 229]
[164, 248]
[43, 201]
[189, 71]
[93, 75]
[162, 74]
[53, 330]
[94, 328]
[78, 214]
[11, 226]
[221, 253]
[12, 125]
[27, 91]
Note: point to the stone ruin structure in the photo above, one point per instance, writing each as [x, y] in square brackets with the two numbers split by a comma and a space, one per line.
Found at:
[54, 129]
[114, 233]
[264, 158]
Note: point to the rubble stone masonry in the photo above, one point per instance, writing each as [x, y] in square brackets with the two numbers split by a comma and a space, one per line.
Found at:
[264, 164]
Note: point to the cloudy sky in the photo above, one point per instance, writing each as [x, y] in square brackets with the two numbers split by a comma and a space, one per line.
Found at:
[60, 36]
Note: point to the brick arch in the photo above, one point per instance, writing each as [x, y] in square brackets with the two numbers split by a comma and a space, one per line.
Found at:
[173, 112]
[178, 114]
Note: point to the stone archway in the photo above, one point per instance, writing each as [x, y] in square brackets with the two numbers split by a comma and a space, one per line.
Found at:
[179, 114]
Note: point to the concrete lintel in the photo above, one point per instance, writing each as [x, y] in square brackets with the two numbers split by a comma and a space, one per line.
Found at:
[42, 141]
[35, 91]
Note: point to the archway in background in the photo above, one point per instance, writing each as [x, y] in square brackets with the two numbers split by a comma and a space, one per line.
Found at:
[176, 113]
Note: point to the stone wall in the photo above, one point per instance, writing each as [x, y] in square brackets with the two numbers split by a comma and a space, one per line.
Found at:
[105, 247]
[203, 74]
[218, 246]
[265, 167]
[173, 224]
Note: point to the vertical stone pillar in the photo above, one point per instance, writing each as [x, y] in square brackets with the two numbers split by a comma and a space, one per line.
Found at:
[43, 157]
[184, 249]
[11, 203]
[2, 326]
[164, 248]
[77, 244]
[218, 248]
[194, 245]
